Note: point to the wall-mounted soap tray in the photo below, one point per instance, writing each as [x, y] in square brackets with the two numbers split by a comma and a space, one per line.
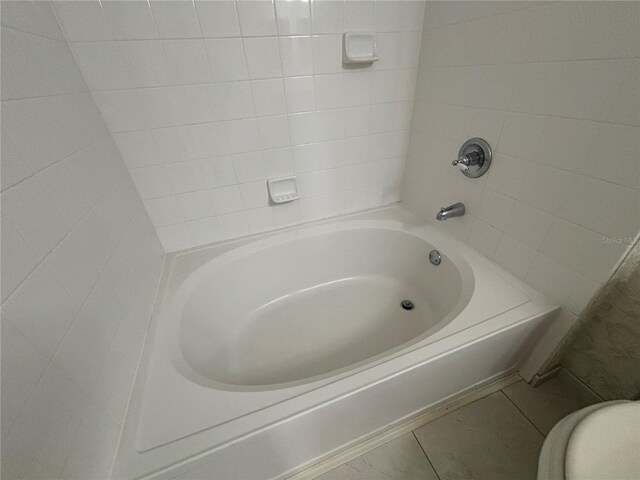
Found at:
[359, 48]
[283, 190]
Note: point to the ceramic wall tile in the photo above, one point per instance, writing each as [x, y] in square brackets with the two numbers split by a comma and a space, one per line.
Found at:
[257, 18]
[218, 19]
[177, 82]
[327, 16]
[558, 109]
[75, 236]
[175, 19]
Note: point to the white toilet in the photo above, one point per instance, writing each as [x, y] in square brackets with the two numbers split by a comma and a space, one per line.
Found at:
[599, 442]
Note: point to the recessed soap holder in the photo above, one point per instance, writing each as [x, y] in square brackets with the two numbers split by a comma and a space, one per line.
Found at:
[358, 48]
[283, 190]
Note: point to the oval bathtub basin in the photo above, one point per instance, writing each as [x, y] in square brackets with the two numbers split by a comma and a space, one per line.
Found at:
[311, 306]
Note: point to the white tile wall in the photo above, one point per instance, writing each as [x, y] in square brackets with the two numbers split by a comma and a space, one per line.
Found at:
[206, 100]
[560, 104]
[80, 258]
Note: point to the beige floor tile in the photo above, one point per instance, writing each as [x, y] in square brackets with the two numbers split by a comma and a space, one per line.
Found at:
[547, 404]
[486, 440]
[400, 459]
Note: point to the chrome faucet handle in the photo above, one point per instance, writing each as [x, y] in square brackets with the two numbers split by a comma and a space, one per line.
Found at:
[468, 159]
[462, 163]
[474, 158]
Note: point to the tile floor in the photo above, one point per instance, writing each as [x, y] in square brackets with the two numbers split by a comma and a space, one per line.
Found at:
[494, 438]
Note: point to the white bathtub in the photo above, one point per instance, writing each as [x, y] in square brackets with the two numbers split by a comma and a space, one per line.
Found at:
[270, 352]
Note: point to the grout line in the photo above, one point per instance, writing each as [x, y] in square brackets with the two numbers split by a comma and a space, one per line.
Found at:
[280, 56]
[66, 157]
[578, 380]
[523, 414]
[206, 53]
[47, 255]
[184, 110]
[57, 40]
[82, 304]
[529, 6]
[132, 168]
[223, 120]
[31, 391]
[168, 85]
[532, 62]
[425, 454]
[241, 36]
[52, 95]
[50, 360]
[121, 422]
[522, 112]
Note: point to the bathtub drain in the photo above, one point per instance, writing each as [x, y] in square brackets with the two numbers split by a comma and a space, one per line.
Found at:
[407, 304]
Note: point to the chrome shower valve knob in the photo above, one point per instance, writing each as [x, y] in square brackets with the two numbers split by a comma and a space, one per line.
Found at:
[462, 163]
[468, 159]
[474, 158]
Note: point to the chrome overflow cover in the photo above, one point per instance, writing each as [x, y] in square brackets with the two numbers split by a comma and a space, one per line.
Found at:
[435, 257]
[474, 157]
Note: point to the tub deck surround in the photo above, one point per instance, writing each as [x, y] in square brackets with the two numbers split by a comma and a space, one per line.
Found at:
[271, 333]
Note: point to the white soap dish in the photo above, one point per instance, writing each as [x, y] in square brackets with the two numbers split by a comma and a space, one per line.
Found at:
[358, 48]
[283, 190]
